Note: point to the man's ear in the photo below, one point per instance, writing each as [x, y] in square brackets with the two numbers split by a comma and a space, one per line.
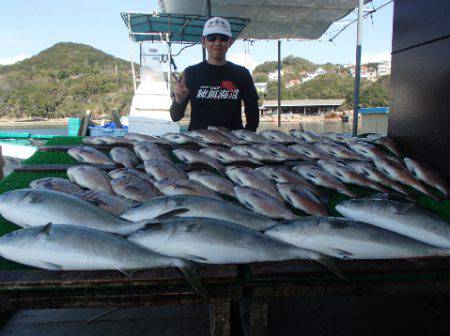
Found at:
[231, 42]
[203, 42]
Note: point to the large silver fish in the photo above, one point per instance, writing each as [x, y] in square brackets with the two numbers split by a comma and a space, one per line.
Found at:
[262, 203]
[112, 203]
[148, 150]
[138, 137]
[130, 172]
[183, 139]
[190, 156]
[320, 178]
[278, 136]
[389, 144]
[66, 247]
[347, 239]
[227, 156]
[212, 181]
[134, 188]
[370, 151]
[402, 217]
[249, 136]
[309, 151]
[88, 154]
[211, 137]
[185, 187]
[280, 151]
[402, 175]
[338, 151]
[369, 171]
[124, 156]
[91, 178]
[308, 136]
[337, 137]
[248, 177]
[256, 154]
[211, 241]
[36, 207]
[107, 140]
[427, 175]
[160, 170]
[196, 206]
[347, 175]
[57, 184]
[282, 174]
[301, 198]
[226, 133]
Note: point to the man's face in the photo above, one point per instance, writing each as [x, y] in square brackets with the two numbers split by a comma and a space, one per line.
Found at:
[217, 45]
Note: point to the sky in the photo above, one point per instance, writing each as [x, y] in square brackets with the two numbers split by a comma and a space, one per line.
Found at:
[28, 27]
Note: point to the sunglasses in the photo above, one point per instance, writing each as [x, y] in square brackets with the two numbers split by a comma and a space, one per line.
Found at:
[215, 37]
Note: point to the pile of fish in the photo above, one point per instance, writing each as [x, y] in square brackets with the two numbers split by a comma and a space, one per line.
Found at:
[219, 197]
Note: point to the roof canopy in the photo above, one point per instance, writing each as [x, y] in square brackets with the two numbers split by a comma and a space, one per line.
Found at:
[271, 19]
[303, 102]
[178, 28]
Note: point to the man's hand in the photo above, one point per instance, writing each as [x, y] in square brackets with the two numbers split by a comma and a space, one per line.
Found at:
[180, 89]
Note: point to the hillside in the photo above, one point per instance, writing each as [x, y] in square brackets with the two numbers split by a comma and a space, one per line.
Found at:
[65, 80]
[335, 83]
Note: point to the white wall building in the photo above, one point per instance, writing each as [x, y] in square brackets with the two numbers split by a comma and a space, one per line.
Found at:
[274, 75]
[384, 68]
[319, 71]
[261, 87]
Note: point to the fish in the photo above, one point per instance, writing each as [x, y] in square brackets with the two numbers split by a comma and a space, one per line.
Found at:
[301, 198]
[57, 184]
[107, 140]
[212, 181]
[226, 133]
[370, 151]
[67, 247]
[336, 137]
[227, 156]
[182, 186]
[130, 172]
[405, 218]
[278, 136]
[37, 207]
[88, 154]
[197, 206]
[320, 178]
[369, 171]
[112, 203]
[248, 177]
[309, 136]
[160, 170]
[282, 174]
[310, 152]
[427, 175]
[347, 175]
[148, 150]
[402, 175]
[211, 137]
[138, 137]
[124, 156]
[91, 178]
[338, 151]
[183, 139]
[249, 136]
[210, 241]
[280, 151]
[190, 156]
[256, 154]
[134, 188]
[389, 144]
[262, 203]
[347, 239]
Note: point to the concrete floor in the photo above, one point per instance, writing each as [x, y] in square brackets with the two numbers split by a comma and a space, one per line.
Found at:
[400, 315]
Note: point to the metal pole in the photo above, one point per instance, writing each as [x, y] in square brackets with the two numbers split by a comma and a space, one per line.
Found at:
[208, 8]
[358, 67]
[279, 83]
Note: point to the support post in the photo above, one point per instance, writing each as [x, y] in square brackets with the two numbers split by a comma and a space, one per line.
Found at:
[207, 3]
[219, 319]
[279, 83]
[358, 67]
[2, 164]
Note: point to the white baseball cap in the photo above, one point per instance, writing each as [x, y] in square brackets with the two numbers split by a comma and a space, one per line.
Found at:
[217, 25]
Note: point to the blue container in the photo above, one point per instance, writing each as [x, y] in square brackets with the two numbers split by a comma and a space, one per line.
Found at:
[73, 126]
[100, 130]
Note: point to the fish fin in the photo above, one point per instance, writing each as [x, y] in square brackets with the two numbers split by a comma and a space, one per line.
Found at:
[126, 272]
[188, 271]
[194, 258]
[53, 267]
[45, 230]
[171, 213]
[190, 227]
[401, 208]
[345, 255]
[329, 263]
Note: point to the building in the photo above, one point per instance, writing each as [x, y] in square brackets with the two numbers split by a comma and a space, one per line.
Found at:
[274, 75]
[292, 82]
[365, 72]
[319, 71]
[302, 106]
[261, 87]
[384, 69]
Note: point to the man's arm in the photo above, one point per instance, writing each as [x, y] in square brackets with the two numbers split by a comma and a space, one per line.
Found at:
[180, 97]
[250, 97]
[177, 109]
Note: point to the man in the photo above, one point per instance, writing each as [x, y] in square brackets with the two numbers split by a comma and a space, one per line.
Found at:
[216, 86]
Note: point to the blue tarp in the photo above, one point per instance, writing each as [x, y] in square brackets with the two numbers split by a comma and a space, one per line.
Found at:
[180, 28]
[374, 110]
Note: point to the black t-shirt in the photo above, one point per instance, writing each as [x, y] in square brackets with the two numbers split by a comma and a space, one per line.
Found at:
[215, 93]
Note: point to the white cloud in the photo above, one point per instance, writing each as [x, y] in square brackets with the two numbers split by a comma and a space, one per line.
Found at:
[243, 59]
[384, 56]
[13, 59]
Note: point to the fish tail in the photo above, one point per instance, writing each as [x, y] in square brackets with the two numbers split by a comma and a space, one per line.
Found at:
[329, 263]
[188, 271]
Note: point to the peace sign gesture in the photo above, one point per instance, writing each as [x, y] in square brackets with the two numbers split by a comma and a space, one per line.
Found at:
[180, 90]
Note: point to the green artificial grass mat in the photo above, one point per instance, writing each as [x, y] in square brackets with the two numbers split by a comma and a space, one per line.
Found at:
[65, 140]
